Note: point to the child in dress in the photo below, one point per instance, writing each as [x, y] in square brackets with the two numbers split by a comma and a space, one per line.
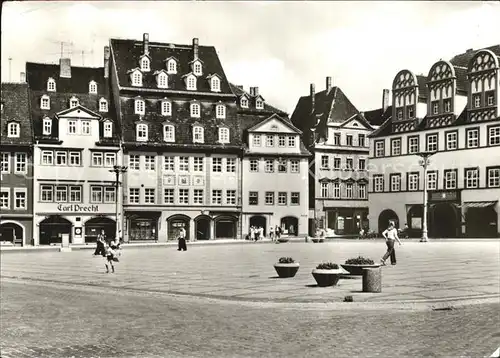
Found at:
[110, 256]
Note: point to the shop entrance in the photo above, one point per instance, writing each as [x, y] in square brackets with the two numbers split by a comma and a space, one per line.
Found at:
[12, 232]
[444, 221]
[384, 218]
[94, 226]
[225, 227]
[52, 229]
[202, 227]
[290, 225]
[175, 223]
[258, 221]
[481, 222]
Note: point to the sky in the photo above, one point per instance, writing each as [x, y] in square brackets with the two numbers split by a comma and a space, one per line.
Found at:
[280, 47]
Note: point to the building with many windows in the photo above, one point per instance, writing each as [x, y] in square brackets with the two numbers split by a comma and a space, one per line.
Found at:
[452, 113]
[337, 134]
[76, 146]
[16, 154]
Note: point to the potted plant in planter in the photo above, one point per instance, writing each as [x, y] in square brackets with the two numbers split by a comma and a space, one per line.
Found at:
[356, 265]
[286, 267]
[327, 274]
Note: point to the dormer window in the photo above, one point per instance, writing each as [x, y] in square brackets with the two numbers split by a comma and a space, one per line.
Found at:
[47, 126]
[45, 102]
[224, 135]
[244, 102]
[195, 110]
[145, 64]
[191, 82]
[220, 111]
[169, 133]
[166, 108]
[162, 80]
[215, 84]
[171, 66]
[13, 130]
[197, 69]
[93, 87]
[103, 105]
[141, 132]
[73, 102]
[259, 104]
[136, 78]
[198, 135]
[51, 85]
[139, 106]
[108, 129]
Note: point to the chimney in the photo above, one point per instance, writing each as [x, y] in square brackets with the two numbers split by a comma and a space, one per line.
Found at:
[385, 100]
[106, 61]
[145, 41]
[65, 67]
[469, 50]
[240, 87]
[254, 91]
[328, 84]
[23, 77]
[195, 48]
[313, 94]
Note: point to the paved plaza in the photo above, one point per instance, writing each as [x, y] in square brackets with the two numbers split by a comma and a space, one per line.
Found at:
[225, 301]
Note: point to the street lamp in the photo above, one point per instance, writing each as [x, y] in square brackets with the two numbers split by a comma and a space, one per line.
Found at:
[117, 169]
[424, 162]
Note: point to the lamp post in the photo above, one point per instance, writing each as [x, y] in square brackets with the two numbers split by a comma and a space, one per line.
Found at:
[424, 162]
[117, 169]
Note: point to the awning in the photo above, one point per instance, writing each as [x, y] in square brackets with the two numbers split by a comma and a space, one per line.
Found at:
[479, 204]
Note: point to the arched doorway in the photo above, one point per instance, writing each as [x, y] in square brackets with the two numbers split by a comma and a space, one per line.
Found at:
[202, 227]
[94, 226]
[258, 221]
[384, 218]
[481, 222]
[175, 223]
[414, 219]
[225, 227]
[12, 232]
[52, 229]
[444, 221]
[290, 225]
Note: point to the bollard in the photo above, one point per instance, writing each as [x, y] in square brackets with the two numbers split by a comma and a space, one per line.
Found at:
[372, 280]
[307, 239]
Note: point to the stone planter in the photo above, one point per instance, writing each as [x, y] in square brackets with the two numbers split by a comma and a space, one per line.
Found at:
[357, 270]
[283, 239]
[286, 270]
[325, 278]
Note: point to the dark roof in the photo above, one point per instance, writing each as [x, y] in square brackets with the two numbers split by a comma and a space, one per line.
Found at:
[268, 109]
[423, 91]
[461, 74]
[463, 59]
[126, 55]
[378, 116]
[15, 101]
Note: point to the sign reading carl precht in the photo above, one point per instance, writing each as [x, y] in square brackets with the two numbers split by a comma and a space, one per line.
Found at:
[78, 208]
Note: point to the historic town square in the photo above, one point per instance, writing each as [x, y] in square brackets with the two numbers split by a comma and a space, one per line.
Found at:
[250, 179]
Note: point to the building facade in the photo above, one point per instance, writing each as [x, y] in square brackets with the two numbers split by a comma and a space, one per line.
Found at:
[16, 156]
[452, 114]
[76, 147]
[337, 134]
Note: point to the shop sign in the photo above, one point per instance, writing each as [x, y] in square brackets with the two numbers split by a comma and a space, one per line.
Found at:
[78, 208]
[444, 195]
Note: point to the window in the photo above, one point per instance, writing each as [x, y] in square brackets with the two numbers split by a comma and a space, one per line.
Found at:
[108, 129]
[198, 164]
[183, 164]
[253, 198]
[47, 126]
[254, 165]
[494, 135]
[47, 157]
[269, 168]
[223, 135]
[5, 198]
[142, 132]
[324, 162]
[361, 140]
[396, 146]
[145, 64]
[269, 140]
[86, 127]
[349, 140]
[349, 164]
[19, 199]
[281, 141]
[162, 80]
[47, 193]
[491, 99]
[191, 83]
[216, 197]
[231, 165]
[172, 66]
[168, 164]
[432, 180]
[291, 141]
[92, 87]
[411, 112]
[169, 133]
[472, 137]
[149, 163]
[336, 163]
[133, 162]
[413, 145]
[195, 110]
[97, 159]
[73, 102]
[336, 139]
[282, 198]
[20, 163]
[215, 84]
[295, 198]
[140, 107]
[294, 166]
[13, 130]
[75, 194]
[133, 196]
[149, 196]
[361, 191]
[379, 148]
[324, 190]
[45, 102]
[395, 182]
[183, 196]
[256, 140]
[109, 194]
[412, 184]
[103, 105]
[282, 166]
[244, 102]
[477, 100]
[197, 68]
[450, 179]
[493, 177]
[198, 196]
[348, 190]
[447, 105]
[361, 164]
[136, 78]
[198, 135]
[269, 198]
[168, 195]
[471, 178]
[75, 158]
[378, 183]
[336, 190]
[452, 140]
[231, 197]
[259, 104]
[217, 165]
[61, 158]
[166, 108]
[432, 143]
[109, 159]
[399, 114]
[96, 194]
[51, 85]
[5, 163]
[435, 107]
[61, 194]
[72, 128]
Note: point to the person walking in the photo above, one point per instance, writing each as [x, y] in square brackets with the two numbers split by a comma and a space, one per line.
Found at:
[109, 256]
[252, 233]
[390, 235]
[182, 240]
[101, 240]
[278, 232]
[271, 233]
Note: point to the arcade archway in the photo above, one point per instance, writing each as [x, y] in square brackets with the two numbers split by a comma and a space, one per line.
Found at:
[384, 218]
[52, 229]
[94, 226]
[259, 221]
[444, 220]
[202, 227]
[12, 231]
[175, 223]
[225, 227]
[290, 225]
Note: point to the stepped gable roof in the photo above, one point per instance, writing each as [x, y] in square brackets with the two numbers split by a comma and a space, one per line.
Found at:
[15, 103]
[127, 53]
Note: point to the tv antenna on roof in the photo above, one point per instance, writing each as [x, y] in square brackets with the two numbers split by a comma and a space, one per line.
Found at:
[10, 69]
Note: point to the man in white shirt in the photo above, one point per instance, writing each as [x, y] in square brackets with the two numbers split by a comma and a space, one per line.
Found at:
[390, 235]
[182, 240]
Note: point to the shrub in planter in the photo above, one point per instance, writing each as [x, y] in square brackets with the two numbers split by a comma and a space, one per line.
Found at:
[356, 265]
[286, 267]
[327, 274]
